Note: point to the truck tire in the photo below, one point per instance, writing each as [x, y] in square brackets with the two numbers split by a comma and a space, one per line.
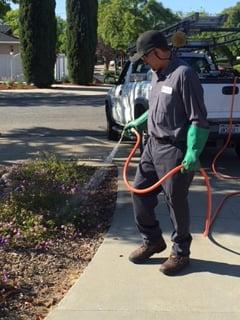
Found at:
[111, 133]
[237, 149]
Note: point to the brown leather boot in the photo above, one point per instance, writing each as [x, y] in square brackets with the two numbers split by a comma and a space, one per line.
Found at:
[174, 264]
[145, 251]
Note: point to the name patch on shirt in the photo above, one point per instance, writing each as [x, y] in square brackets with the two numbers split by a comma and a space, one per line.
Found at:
[166, 89]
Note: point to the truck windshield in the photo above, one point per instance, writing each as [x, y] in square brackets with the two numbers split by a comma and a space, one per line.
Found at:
[199, 64]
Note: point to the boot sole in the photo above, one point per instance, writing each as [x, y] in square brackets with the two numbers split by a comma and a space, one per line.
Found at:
[172, 272]
[139, 261]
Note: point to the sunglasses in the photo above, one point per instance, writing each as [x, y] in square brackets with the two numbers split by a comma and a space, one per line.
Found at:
[147, 54]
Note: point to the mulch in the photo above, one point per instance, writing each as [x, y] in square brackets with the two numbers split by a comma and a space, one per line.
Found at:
[16, 86]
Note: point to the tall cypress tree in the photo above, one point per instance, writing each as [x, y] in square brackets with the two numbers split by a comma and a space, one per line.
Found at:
[81, 39]
[38, 40]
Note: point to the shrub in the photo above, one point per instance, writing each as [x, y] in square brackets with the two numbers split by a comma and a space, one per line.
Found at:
[38, 41]
[81, 39]
[36, 201]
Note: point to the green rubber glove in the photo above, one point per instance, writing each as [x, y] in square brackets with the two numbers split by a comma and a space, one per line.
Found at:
[139, 124]
[196, 140]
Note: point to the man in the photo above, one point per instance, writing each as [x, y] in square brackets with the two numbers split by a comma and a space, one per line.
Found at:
[178, 131]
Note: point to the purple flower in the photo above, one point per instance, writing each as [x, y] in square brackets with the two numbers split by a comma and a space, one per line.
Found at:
[5, 277]
[3, 241]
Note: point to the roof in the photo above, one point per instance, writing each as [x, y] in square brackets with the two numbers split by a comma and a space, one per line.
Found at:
[4, 28]
[4, 38]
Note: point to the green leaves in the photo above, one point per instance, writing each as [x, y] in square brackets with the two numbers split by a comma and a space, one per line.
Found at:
[38, 41]
[121, 21]
[81, 39]
[12, 20]
[4, 7]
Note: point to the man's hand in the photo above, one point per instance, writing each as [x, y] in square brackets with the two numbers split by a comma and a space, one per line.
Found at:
[127, 132]
[138, 124]
[190, 162]
[196, 140]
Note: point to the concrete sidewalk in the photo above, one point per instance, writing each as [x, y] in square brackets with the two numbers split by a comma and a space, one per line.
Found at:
[112, 288]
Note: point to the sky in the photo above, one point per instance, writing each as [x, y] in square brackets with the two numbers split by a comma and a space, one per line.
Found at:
[210, 6]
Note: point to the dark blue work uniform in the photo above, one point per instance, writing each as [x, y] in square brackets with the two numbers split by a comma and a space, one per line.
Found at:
[176, 101]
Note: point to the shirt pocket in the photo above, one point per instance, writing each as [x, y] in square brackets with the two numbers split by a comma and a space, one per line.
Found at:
[165, 102]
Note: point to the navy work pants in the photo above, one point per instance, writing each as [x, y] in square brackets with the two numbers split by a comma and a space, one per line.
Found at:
[157, 159]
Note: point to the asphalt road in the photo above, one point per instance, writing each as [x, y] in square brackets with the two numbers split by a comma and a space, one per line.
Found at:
[67, 121]
[79, 109]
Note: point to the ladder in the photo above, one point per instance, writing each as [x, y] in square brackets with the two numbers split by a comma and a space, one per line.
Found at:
[196, 24]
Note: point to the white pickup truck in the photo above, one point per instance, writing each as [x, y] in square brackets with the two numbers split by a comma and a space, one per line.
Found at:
[128, 98]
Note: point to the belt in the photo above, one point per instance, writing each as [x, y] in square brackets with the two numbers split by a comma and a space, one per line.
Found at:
[165, 140]
[168, 140]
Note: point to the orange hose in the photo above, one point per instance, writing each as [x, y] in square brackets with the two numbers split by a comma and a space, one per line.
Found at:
[209, 220]
[164, 178]
[220, 175]
[217, 174]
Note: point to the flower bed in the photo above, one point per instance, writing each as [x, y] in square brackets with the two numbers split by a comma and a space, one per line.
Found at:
[47, 237]
[9, 85]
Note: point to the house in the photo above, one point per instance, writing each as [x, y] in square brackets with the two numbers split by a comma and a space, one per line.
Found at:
[10, 60]
[8, 43]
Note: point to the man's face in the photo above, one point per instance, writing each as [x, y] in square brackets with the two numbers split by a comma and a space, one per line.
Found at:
[156, 58]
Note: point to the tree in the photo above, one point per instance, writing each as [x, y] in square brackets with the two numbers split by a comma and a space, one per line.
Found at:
[12, 20]
[4, 7]
[61, 35]
[106, 52]
[38, 40]
[233, 21]
[121, 21]
[155, 16]
[118, 25]
[81, 39]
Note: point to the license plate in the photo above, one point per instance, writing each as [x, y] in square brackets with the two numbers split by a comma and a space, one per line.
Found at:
[224, 128]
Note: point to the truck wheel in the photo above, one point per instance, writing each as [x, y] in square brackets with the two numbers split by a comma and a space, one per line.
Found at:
[111, 133]
[237, 149]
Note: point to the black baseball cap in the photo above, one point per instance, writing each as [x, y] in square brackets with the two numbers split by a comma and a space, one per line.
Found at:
[147, 41]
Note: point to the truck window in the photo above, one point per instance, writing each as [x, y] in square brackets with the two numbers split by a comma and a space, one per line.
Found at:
[140, 67]
[122, 76]
[199, 64]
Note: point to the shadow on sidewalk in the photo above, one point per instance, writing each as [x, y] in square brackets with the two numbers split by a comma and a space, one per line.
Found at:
[23, 144]
[214, 241]
[97, 88]
[53, 99]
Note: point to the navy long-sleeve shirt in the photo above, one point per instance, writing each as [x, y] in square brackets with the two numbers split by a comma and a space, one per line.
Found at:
[176, 101]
